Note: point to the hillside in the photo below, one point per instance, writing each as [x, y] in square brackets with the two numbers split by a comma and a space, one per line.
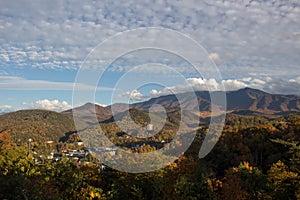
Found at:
[40, 125]
[256, 100]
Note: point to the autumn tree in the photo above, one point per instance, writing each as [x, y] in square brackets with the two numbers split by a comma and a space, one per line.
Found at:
[284, 183]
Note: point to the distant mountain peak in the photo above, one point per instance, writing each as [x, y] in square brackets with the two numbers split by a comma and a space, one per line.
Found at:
[243, 99]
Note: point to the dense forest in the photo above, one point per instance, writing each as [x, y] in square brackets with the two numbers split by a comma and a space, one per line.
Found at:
[42, 125]
[255, 158]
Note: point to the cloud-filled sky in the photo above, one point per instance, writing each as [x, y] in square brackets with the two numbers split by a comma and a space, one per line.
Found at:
[44, 43]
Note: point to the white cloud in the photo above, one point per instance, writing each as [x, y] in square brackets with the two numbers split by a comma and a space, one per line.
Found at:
[18, 83]
[4, 57]
[215, 57]
[268, 84]
[202, 84]
[55, 33]
[54, 105]
[280, 86]
[244, 37]
[6, 108]
[154, 93]
[190, 84]
[297, 80]
[233, 84]
[133, 95]
[101, 104]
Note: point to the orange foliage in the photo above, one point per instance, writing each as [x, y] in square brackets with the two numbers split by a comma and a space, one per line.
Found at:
[5, 142]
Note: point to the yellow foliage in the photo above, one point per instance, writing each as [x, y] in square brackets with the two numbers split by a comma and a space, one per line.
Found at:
[279, 172]
[214, 184]
[94, 195]
[244, 165]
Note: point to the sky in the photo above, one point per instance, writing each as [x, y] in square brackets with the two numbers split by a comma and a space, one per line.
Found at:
[46, 45]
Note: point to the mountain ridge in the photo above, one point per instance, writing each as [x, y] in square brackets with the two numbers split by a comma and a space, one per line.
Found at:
[45, 124]
[245, 100]
[242, 99]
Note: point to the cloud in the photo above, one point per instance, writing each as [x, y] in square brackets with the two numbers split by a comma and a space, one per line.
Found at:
[189, 85]
[6, 108]
[101, 104]
[134, 95]
[233, 84]
[277, 85]
[154, 93]
[215, 57]
[268, 84]
[4, 58]
[202, 84]
[59, 34]
[18, 83]
[54, 105]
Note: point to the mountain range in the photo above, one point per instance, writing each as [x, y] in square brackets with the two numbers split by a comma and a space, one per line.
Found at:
[50, 125]
[239, 101]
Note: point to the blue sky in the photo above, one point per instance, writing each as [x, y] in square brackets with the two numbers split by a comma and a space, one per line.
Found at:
[44, 43]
